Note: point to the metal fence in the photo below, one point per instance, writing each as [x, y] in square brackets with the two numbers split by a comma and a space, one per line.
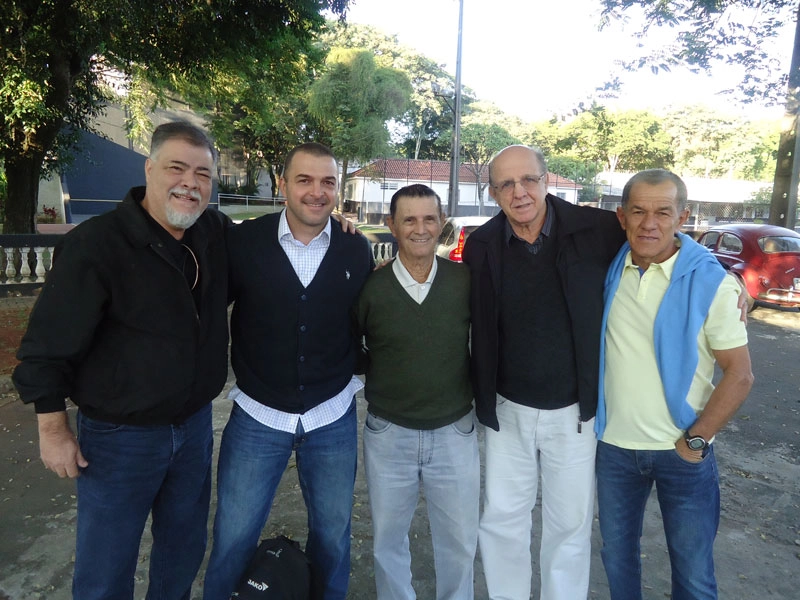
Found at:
[228, 201]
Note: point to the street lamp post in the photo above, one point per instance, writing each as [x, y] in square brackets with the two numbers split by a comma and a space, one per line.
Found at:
[452, 196]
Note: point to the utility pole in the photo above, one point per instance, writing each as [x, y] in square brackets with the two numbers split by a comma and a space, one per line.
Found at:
[783, 207]
[455, 163]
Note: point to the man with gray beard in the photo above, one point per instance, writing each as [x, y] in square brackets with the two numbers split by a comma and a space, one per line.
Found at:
[131, 325]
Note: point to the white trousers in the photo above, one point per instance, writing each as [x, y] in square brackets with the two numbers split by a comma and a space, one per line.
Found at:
[531, 444]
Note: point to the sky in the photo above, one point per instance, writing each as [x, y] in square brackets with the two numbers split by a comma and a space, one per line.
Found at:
[536, 58]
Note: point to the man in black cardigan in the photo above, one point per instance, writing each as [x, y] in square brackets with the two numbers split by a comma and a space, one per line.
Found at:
[293, 280]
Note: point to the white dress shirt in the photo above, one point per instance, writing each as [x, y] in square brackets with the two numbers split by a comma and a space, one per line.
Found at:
[418, 291]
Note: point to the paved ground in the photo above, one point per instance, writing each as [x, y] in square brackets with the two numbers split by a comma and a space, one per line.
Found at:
[757, 550]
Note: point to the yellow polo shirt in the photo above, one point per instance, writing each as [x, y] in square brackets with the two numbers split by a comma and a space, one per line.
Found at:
[636, 408]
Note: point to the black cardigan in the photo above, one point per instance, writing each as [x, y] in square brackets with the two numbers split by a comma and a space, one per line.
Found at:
[293, 347]
[587, 239]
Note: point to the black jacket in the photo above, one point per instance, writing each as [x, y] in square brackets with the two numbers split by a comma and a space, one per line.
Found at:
[587, 240]
[116, 328]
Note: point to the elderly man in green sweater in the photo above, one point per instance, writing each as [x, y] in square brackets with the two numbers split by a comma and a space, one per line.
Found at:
[414, 316]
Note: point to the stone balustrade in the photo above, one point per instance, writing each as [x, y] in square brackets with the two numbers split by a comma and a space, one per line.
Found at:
[37, 250]
[25, 260]
[381, 251]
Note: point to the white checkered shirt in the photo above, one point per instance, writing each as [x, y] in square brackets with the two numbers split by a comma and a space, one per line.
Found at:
[305, 260]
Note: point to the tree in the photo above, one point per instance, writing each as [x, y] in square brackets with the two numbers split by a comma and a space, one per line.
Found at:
[54, 51]
[485, 131]
[353, 100]
[258, 119]
[736, 32]
[425, 127]
[708, 33]
[709, 144]
[629, 140]
[582, 172]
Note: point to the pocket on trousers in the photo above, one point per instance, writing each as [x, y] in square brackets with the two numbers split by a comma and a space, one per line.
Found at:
[466, 424]
[375, 424]
[691, 463]
[96, 426]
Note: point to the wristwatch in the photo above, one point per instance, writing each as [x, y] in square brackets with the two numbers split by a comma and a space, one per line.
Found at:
[695, 442]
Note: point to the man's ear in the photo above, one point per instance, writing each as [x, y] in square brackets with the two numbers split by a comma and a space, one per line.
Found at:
[683, 216]
[621, 217]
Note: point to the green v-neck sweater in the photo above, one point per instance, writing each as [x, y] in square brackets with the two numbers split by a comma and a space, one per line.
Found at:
[418, 369]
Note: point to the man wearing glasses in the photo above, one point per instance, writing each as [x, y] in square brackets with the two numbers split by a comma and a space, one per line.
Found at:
[131, 325]
[536, 302]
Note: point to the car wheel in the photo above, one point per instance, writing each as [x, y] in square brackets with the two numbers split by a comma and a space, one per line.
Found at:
[749, 300]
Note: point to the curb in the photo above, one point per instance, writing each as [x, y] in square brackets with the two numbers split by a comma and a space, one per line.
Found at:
[7, 392]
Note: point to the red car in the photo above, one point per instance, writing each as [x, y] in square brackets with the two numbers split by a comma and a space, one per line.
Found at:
[766, 258]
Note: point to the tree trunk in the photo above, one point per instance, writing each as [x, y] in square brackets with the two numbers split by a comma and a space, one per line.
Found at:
[418, 143]
[783, 207]
[273, 181]
[22, 173]
[342, 186]
[25, 157]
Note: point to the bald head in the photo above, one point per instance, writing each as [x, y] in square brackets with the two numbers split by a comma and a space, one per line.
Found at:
[518, 152]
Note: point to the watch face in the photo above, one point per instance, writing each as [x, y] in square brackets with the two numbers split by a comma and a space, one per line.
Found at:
[696, 443]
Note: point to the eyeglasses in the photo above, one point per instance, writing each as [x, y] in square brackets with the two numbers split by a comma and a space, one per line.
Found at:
[191, 271]
[529, 182]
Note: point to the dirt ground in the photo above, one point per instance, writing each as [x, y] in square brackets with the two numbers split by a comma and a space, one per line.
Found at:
[13, 321]
[757, 550]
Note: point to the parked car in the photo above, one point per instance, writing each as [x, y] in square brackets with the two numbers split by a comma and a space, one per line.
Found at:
[765, 258]
[455, 232]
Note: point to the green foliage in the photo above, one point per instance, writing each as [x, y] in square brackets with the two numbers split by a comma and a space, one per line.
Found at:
[353, 100]
[761, 196]
[709, 32]
[709, 144]
[628, 141]
[485, 131]
[425, 128]
[579, 171]
[55, 51]
[255, 117]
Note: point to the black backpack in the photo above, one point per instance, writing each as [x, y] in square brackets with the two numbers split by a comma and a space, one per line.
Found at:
[278, 570]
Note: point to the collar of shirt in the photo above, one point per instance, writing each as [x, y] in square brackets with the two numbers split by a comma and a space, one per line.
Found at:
[285, 233]
[418, 291]
[305, 259]
[547, 228]
[665, 267]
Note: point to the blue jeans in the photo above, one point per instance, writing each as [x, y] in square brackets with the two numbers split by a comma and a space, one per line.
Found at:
[252, 459]
[132, 472]
[688, 495]
[445, 461]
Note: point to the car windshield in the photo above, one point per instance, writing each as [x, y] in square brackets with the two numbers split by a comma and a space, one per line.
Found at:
[779, 244]
[469, 229]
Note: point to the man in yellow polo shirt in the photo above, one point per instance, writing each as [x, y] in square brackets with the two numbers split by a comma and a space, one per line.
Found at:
[670, 313]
